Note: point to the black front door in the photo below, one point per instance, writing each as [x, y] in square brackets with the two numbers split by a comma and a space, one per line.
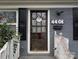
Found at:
[38, 30]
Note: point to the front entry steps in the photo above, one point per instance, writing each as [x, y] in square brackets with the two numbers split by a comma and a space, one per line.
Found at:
[37, 57]
[24, 54]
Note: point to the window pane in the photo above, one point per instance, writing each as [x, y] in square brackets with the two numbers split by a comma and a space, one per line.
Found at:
[12, 27]
[43, 22]
[34, 36]
[38, 23]
[38, 29]
[38, 14]
[33, 22]
[34, 15]
[44, 15]
[33, 29]
[7, 16]
[43, 29]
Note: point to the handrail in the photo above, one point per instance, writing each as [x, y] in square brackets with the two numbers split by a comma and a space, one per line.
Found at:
[7, 51]
[4, 47]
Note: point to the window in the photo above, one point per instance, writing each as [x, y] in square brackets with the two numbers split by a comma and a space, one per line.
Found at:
[10, 17]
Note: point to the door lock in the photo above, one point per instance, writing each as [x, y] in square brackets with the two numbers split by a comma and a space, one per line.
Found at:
[54, 48]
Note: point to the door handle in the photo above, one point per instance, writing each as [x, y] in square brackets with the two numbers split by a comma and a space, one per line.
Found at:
[54, 48]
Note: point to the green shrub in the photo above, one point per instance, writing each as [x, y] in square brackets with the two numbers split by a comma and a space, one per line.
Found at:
[6, 34]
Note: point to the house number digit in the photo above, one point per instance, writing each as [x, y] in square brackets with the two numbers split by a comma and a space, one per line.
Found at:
[52, 21]
[55, 22]
[60, 21]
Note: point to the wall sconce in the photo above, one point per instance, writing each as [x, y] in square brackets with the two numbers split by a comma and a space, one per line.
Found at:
[58, 13]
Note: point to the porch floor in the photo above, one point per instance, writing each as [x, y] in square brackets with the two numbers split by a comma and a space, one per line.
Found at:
[24, 55]
[37, 57]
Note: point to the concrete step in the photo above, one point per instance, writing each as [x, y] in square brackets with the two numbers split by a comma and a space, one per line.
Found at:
[37, 57]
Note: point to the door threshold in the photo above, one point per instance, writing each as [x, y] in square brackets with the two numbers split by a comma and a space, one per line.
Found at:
[39, 52]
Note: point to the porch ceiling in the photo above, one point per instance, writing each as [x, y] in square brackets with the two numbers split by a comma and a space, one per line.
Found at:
[38, 2]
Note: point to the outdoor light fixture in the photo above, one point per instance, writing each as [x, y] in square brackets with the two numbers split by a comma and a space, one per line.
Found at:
[58, 13]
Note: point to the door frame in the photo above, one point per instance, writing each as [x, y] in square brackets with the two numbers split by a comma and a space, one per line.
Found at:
[48, 31]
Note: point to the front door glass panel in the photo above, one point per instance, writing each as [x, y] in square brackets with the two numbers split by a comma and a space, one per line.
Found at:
[38, 30]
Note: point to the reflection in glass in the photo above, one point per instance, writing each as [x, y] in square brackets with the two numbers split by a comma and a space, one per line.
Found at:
[33, 22]
[38, 29]
[44, 15]
[43, 22]
[43, 29]
[12, 27]
[33, 29]
[38, 14]
[38, 19]
[38, 23]
[33, 15]
[7, 16]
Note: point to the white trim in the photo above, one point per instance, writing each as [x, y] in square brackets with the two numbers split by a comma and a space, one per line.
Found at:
[28, 38]
[17, 22]
[35, 1]
[38, 52]
[48, 42]
[9, 23]
[36, 6]
[49, 30]
[10, 10]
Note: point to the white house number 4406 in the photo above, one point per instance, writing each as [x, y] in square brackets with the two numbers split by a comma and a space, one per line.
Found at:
[60, 21]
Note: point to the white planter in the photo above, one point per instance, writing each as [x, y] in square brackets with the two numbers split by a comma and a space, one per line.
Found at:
[62, 47]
